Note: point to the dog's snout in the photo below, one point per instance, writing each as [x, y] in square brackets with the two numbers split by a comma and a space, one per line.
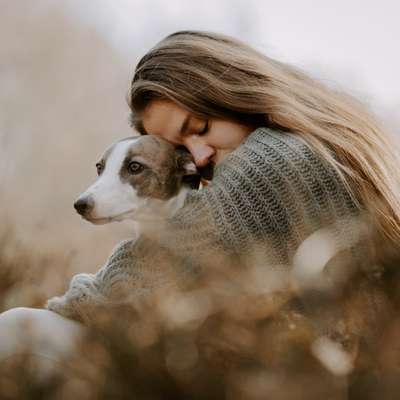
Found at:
[84, 206]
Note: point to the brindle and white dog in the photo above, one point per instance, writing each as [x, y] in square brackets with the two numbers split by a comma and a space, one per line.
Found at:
[143, 178]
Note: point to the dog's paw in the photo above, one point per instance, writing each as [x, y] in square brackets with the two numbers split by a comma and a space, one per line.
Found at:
[60, 305]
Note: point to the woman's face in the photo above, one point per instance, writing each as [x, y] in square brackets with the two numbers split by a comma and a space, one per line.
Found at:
[208, 140]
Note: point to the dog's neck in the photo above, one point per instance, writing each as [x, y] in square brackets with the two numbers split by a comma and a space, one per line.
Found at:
[156, 210]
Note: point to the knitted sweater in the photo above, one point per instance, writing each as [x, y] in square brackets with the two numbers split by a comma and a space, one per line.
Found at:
[266, 198]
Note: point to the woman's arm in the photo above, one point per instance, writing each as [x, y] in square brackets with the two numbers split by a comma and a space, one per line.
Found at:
[265, 199]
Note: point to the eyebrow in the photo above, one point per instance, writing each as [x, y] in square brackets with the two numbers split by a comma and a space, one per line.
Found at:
[185, 124]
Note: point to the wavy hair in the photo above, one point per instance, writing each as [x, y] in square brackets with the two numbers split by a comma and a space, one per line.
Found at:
[216, 76]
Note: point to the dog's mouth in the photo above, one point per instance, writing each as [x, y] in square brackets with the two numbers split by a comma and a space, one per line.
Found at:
[105, 220]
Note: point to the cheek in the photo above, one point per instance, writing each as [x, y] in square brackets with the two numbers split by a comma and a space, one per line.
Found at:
[228, 135]
[151, 185]
[141, 183]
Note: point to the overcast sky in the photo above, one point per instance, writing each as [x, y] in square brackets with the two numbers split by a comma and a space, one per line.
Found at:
[354, 43]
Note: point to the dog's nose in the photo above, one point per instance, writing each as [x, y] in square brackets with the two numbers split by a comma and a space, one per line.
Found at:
[84, 205]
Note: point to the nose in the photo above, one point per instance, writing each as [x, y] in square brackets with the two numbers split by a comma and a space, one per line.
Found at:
[201, 152]
[84, 205]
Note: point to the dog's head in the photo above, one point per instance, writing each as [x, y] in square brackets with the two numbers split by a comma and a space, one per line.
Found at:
[138, 176]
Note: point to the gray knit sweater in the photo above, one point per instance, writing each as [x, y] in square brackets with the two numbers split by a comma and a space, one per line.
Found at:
[266, 197]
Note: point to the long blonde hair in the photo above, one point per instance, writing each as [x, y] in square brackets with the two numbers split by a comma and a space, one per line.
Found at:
[213, 75]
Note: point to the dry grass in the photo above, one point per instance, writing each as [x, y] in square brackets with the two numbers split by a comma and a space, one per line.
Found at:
[201, 344]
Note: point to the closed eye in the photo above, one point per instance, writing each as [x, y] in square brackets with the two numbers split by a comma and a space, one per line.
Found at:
[205, 129]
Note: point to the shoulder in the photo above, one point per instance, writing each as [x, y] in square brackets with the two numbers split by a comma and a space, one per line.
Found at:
[275, 148]
[276, 159]
[275, 138]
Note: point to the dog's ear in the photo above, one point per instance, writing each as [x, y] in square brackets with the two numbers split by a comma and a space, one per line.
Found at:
[185, 163]
[188, 169]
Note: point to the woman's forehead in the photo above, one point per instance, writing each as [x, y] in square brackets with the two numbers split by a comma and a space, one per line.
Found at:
[164, 118]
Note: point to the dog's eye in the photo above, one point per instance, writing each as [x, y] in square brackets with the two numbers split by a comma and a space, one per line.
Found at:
[99, 167]
[134, 167]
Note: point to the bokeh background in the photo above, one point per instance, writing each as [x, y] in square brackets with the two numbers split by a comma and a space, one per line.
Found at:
[65, 70]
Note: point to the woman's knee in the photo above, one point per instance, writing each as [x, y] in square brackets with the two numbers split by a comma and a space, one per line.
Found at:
[46, 336]
[16, 314]
[44, 331]
[11, 321]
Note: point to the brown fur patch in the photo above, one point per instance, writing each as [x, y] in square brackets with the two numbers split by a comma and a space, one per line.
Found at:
[161, 177]
[107, 153]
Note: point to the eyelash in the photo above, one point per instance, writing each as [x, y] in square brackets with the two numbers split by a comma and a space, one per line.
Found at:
[205, 129]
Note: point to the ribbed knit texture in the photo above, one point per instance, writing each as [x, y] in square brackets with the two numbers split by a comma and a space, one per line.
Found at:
[270, 194]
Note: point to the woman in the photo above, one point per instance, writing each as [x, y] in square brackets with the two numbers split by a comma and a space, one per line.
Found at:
[289, 155]
[216, 78]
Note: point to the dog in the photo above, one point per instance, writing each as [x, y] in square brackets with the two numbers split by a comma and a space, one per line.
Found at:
[141, 178]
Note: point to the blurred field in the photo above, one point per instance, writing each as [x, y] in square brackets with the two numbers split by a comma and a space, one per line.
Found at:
[230, 337]
[62, 103]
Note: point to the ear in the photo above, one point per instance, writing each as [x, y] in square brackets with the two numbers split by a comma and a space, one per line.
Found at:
[185, 163]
